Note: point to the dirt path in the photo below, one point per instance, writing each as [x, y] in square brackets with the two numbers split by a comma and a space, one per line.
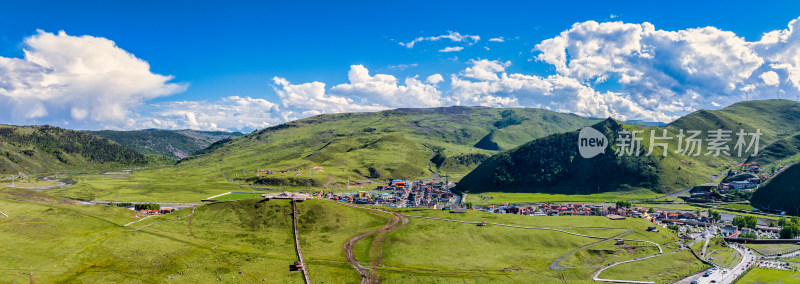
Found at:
[396, 221]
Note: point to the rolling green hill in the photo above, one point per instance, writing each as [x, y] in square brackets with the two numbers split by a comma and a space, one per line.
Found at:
[175, 144]
[552, 164]
[401, 143]
[34, 149]
[780, 192]
[356, 147]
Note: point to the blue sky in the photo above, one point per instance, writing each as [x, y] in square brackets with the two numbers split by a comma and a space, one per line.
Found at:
[241, 50]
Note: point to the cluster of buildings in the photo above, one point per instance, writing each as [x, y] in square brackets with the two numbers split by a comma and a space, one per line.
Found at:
[403, 194]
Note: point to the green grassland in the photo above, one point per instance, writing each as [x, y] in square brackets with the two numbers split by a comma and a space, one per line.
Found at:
[244, 241]
[424, 251]
[760, 275]
[250, 240]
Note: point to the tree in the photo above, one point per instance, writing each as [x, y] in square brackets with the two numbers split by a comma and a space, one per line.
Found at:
[782, 222]
[790, 231]
[751, 221]
[739, 222]
[623, 203]
[795, 220]
[714, 214]
[771, 224]
[651, 210]
[748, 235]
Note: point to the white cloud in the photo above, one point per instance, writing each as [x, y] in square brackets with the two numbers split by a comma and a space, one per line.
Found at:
[770, 78]
[402, 66]
[384, 90]
[311, 98]
[493, 87]
[484, 69]
[671, 71]
[497, 39]
[434, 79]
[228, 113]
[81, 81]
[452, 36]
[451, 49]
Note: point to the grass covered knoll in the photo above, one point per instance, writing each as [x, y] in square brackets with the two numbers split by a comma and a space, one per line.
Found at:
[722, 253]
[242, 241]
[424, 250]
[681, 264]
[35, 149]
[552, 164]
[773, 249]
[760, 275]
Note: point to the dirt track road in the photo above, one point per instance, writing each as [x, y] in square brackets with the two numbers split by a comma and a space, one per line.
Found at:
[396, 221]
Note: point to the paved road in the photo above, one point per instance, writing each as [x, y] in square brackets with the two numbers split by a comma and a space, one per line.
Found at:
[727, 276]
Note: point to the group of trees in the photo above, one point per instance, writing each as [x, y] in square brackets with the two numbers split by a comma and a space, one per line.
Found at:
[625, 204]
[791, 227]
[147, 206]
[745, 222]
[122, 204]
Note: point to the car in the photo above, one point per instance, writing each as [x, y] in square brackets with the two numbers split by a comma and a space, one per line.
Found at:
[695, 281]
[713, 281]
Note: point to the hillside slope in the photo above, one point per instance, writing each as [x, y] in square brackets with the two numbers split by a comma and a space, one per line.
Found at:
[780, 192]
[175, 144]
[552, 164]
[401, 143]
[34, 149]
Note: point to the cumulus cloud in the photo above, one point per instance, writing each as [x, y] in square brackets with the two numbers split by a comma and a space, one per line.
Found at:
[452, 36]
[486, 83]
[497, 39]
[76, 80]
[674, 71]
[484, 69]
[383, 89]
[228, 113]
[451, 49]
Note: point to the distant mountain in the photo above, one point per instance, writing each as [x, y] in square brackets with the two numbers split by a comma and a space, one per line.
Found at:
[552, 165]
[175, 144]
[35, 149]
[400, 143]
[782, 192]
